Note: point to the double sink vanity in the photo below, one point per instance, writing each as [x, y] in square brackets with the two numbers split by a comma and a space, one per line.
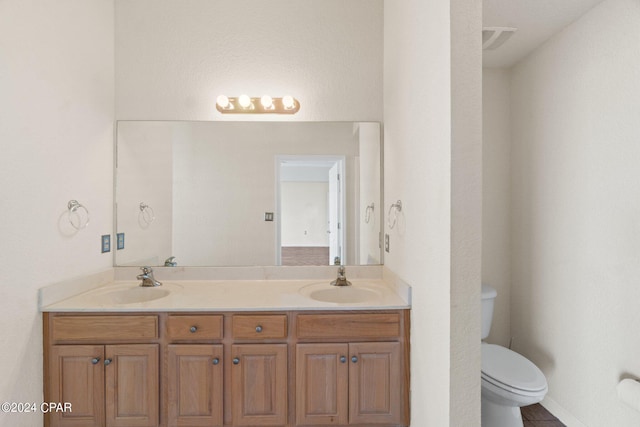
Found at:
[209, 347]
[230, 353]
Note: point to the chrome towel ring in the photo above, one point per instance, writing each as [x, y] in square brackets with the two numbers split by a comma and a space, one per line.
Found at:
[395, 209]
[146, 213]
[367, 213]
[78, 212]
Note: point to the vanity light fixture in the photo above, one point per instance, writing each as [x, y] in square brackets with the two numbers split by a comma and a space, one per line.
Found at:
[263, 105]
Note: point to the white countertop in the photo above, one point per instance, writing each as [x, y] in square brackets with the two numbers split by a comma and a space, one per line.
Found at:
[236, 295]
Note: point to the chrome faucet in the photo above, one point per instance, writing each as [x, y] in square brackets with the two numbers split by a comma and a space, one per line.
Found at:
[170, 262]
[147, 278]
[342, 279]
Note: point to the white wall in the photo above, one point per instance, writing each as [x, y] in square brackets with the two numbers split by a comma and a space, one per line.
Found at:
[496, 200]
[304, 210]
[576, 211]
[174, 57]
[432, 68]
[56, 137]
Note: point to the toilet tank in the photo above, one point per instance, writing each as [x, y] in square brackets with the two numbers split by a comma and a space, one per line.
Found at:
[488, 298]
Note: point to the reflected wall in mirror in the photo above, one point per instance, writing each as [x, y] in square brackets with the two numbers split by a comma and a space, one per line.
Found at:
[248, 193]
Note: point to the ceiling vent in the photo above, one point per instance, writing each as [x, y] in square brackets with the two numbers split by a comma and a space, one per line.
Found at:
[494, 37]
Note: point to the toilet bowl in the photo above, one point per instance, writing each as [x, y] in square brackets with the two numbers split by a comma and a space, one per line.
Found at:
[508, 379]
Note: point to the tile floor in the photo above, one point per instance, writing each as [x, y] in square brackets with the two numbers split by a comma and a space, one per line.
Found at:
[537, 416]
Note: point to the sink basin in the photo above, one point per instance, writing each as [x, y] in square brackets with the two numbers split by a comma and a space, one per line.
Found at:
[133, 294]
[340, 294]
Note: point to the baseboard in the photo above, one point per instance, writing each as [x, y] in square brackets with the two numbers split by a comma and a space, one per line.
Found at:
[560, 413]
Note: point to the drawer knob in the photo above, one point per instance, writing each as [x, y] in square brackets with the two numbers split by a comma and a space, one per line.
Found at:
[343, 359]
[193, 329]
[107, 362]
[354, 359]
[258, 329]
[236, 360]
[216, 361]
[95, 360]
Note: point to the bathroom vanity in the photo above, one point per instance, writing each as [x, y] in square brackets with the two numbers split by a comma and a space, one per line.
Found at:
[258, 361]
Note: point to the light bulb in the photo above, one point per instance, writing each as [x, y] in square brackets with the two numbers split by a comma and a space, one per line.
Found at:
[288, 102]
[222, 101]
[244, 101]
[267, 102]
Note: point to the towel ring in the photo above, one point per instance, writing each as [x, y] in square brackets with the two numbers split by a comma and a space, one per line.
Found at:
[146, 213]
[395, 208]
[367, 213]
[73, 206]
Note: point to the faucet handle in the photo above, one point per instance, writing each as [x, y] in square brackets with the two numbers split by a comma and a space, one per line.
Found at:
[146, 270]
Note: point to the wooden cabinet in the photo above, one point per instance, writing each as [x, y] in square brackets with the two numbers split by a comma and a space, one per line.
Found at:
[259, 384]
[306, 368]
[112, 385]
[195, 385]
[375, 383]
[76, 375]
[322, 379]
[355, 383]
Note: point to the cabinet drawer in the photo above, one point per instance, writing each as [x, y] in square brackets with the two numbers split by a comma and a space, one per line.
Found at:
[259, 326]
[194, 327]
[104, 328]
[351, 326]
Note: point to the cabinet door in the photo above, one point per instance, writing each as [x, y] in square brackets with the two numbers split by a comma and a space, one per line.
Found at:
[195, 385]
[375, 381]
[322, 372]
[259, 384]
[76, 376]
[132, 393]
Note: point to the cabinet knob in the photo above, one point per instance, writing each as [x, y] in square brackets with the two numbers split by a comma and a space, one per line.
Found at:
[236, 360]
[343, 359]
[95, 360]
[193, 329]
[216, 361]
[354, 359]
[258, 329]
[107, 362]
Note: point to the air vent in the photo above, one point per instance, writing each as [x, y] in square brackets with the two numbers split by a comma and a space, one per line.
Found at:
[494, 37]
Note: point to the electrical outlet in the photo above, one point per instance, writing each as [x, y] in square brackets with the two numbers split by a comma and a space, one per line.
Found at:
[386, 242]
[268, 216]
[120, 241]
[106, 243]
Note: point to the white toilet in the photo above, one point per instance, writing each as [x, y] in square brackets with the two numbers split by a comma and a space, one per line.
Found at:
[509, 380]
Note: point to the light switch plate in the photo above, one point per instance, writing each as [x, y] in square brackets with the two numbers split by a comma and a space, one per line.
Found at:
[268, 216]
[120, 241]
[386, 242]
[106, 243]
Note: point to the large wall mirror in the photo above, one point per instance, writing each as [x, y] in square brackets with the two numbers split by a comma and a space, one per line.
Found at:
[248, 193]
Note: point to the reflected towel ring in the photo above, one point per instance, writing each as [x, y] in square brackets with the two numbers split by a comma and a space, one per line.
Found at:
[395, 208]
[367, 213]
[73, 206]
[146, 213]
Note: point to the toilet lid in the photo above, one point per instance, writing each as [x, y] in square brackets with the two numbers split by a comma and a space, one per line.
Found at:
[503, 366]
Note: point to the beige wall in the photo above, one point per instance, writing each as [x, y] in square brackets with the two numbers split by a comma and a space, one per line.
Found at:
[496, 200]
[174, 57]
[56, 137]
[432, 134]
[576, 212]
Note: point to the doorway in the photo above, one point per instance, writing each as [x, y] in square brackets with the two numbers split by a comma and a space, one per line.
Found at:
[310, 210]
